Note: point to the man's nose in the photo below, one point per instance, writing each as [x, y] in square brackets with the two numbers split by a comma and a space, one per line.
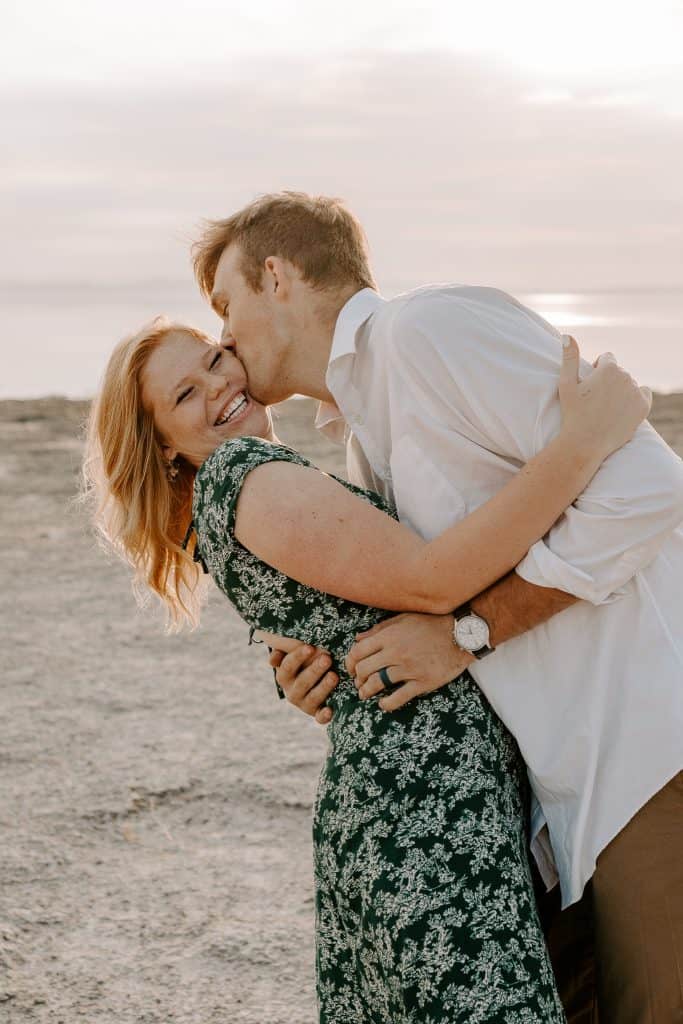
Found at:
[226, 337]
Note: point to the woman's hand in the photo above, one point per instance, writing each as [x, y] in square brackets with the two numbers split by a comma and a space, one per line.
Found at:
[604, 409]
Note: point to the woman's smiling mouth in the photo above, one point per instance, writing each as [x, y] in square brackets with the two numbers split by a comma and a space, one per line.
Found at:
[237, 405]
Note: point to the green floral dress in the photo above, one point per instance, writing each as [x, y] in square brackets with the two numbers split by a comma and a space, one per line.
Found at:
[424, 904]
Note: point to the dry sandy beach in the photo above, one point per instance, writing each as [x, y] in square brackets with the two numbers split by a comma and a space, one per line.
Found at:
[155, 815]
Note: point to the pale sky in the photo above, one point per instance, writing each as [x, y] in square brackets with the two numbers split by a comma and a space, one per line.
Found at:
[92, 40]
[533, 146]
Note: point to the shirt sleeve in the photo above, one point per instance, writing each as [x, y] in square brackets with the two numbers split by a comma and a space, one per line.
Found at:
[491, 366]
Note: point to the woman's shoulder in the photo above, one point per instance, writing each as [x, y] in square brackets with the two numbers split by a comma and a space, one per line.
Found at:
[225, 469]
[240, 451]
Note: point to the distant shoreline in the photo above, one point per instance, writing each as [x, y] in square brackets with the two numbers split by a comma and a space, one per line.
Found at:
[293, 419]
[57, 401]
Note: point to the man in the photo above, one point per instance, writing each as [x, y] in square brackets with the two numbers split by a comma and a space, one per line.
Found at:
[440, 395]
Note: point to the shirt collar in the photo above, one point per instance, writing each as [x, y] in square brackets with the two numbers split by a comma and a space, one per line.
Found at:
[330, 422]
[353, 314]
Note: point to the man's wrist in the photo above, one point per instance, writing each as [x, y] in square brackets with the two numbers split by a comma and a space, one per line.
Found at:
[471, 632]
[512, 606]
[489, 609]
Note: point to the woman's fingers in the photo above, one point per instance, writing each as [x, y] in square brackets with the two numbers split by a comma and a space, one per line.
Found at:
[569, 370]
[572, 359]
[604, 357]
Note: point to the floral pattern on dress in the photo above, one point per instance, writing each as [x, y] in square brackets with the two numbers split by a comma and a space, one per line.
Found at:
[425, 910]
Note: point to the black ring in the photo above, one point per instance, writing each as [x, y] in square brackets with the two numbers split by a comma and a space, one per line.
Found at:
[384, 676]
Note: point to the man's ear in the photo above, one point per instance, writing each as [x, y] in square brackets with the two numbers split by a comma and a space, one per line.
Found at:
[276, 276]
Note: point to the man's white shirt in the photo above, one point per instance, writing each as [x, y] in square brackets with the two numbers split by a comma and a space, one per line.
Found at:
[442, 394]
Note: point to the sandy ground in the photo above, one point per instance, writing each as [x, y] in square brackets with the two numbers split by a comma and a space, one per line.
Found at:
[155, 813]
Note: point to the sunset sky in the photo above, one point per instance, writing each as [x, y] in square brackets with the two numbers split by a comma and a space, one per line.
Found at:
[533, 146]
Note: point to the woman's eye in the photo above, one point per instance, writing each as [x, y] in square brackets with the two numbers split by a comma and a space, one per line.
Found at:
[183, 395]
[216, 359]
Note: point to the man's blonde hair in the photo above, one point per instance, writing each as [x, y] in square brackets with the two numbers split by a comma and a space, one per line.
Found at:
[317, 234]
[138, 510]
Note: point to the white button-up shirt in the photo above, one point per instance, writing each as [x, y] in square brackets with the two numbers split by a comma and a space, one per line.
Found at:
[445, 393]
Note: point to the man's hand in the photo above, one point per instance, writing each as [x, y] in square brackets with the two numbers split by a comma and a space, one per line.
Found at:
[417, 651]
[302, 672]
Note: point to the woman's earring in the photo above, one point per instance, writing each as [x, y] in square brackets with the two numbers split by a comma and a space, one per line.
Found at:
[172, 470]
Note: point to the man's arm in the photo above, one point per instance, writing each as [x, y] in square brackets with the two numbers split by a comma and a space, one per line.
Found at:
[512, 606]
[420, 650]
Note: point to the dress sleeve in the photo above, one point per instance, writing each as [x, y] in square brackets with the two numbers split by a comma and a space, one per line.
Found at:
[217, 488]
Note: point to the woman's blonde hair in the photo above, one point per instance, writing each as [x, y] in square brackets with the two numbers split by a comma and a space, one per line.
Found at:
[141, 504]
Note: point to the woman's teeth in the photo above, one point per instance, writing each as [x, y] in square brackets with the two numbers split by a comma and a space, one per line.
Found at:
[235, 406]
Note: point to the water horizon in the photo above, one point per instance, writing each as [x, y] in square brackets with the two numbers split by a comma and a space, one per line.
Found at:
[63, 340]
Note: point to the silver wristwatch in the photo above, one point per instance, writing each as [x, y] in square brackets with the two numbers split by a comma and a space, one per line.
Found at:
[471, 631]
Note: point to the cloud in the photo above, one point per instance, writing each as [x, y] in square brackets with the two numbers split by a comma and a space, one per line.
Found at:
[447, 161]
[454, 169]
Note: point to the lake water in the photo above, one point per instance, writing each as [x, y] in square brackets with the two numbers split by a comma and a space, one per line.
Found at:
[55, 340]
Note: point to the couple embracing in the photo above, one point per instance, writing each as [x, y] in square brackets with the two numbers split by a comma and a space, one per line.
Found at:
[511, 504]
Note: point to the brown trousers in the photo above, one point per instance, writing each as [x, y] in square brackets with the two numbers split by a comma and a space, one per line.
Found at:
[618, 952]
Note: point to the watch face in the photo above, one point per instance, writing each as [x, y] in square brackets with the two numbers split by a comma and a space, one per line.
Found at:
[472, 632]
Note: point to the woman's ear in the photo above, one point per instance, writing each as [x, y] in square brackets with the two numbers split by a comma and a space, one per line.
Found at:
[169, 453]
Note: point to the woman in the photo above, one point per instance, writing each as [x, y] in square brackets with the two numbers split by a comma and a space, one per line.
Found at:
[424, 903]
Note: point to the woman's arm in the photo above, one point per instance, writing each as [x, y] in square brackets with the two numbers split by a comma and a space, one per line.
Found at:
[316, 531]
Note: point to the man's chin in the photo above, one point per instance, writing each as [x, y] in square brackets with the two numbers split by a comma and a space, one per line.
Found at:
[269, 396]
[265, 392]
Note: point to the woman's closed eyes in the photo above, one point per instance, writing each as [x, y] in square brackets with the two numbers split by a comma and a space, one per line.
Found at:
[212, 366]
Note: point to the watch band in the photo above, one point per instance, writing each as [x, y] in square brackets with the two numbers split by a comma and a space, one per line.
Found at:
[482, 652]
[464, 609]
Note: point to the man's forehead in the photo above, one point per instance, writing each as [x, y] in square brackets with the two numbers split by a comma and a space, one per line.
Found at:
[226, 267]
[229, 262]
